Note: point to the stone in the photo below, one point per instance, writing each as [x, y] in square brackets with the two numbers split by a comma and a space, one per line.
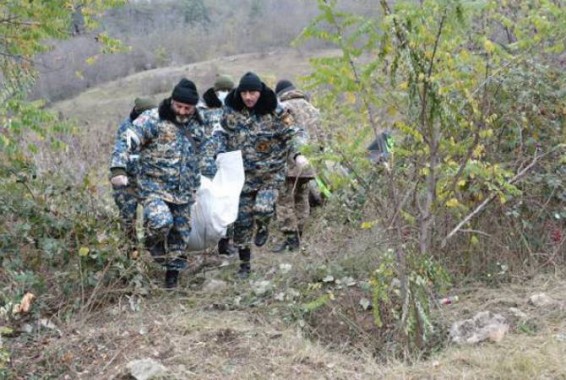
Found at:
[146, 369]
[483, 326]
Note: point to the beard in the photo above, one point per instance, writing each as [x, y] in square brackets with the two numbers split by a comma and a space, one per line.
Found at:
[181, 119]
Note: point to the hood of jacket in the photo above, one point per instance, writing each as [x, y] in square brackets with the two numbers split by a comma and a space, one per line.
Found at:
[211, 99]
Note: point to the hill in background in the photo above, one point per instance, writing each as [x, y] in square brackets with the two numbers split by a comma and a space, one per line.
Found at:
[98, 111]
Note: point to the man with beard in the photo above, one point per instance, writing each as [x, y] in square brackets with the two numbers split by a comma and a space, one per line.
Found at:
[168, 140]
[265, 134]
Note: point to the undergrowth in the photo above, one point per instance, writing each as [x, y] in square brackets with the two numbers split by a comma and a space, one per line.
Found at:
[59, 242]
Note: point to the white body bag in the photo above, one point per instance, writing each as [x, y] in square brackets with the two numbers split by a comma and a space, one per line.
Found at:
[217, 202]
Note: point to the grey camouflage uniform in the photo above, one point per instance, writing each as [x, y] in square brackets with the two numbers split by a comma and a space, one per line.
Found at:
[265, 134]
[169, 175]
[265, 138]
[126, 197]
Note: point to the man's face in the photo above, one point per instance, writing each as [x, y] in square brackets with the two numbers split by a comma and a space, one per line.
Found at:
[182, 111]
[250, 98]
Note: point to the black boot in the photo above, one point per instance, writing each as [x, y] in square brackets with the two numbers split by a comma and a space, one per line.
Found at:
[291, 243]
[294, 241]
[245, 267]
[225, 248]
[261, 235]
[171, 278]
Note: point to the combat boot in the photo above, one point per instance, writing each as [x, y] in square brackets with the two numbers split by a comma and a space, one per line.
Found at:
[261, 235]
[171, 278]
[245, 266]
[291, 243]
[244, 271]
[225, 248]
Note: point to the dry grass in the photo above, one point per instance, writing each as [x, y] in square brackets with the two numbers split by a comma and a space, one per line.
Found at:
[193, 338]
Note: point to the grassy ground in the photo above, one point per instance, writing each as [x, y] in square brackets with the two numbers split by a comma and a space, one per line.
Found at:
[233, 333]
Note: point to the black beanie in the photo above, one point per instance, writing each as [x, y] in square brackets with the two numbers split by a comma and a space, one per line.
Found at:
[250, 82]
[185, 92]
[284, 85]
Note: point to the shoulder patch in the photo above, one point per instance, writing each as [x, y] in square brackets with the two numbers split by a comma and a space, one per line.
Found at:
[287, 119]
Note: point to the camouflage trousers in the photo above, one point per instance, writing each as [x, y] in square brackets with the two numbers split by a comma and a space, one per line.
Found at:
[293, 205]
[230, 231]
[257, 206]
[167, 228]
[127, 201]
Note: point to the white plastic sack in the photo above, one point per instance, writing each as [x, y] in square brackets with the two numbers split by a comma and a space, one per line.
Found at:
[217, 202]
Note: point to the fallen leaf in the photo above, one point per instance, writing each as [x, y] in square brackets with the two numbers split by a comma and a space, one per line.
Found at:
[25, 305]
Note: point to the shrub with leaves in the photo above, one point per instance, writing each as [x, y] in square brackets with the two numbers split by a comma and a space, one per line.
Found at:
[58, 242]
[471, 93]
[56, 239]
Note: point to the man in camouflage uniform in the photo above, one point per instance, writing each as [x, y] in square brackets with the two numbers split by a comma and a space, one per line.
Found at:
[168, 140]
[293, 205]
[213, 111]
[126, 197]
[265, 134]
[213, 102]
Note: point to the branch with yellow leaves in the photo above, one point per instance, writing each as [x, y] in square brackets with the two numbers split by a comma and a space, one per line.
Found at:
[489, 199]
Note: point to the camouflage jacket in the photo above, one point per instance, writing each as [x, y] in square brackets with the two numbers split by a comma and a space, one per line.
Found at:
[132, 159]
[169, 154]
[266, 135]
[307, 117]
[211, 118]
[212, 111]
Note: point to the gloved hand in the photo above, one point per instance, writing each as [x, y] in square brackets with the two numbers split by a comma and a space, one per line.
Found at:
[119, 181]
[302, 162]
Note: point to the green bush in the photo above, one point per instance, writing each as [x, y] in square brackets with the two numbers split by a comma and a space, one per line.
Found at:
[58, 242]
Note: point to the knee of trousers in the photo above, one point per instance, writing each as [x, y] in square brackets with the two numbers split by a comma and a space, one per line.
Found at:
[265, 201]
[157, 217]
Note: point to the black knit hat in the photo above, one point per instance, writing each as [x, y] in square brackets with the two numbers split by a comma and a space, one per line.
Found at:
[250, 82]
[283, 85]
[185, 92]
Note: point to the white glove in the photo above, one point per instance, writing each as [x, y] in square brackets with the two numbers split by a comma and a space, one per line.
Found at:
[119, 181]
[301, 161]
